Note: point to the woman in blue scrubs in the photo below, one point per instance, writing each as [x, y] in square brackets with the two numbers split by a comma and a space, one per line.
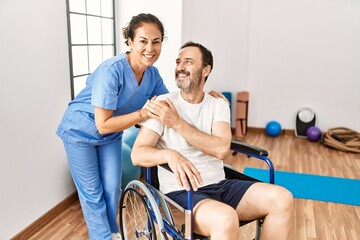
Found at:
[93, 123]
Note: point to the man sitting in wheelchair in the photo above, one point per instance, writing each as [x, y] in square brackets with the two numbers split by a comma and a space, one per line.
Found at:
[190, 131]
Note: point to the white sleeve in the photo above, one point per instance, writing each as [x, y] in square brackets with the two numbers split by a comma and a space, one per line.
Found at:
[222, 111]
[154, 125]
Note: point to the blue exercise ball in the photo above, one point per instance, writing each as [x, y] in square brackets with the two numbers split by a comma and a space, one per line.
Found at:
[129, 135]
[273, 128]
[129, 171]
[313, 133]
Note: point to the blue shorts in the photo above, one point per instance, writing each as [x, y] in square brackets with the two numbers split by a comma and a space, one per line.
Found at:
[228, 191]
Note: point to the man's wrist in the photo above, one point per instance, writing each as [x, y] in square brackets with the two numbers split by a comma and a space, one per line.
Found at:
[179, 124]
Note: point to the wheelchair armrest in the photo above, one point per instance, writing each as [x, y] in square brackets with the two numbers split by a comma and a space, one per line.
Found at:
[232, 173]
[151, 175]
[245, 148]
[166, 166]
[256, 152]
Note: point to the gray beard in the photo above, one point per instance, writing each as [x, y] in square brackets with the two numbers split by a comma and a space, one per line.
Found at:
[191, 85]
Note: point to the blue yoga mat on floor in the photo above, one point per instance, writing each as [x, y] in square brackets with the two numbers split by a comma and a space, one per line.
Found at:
[315, 187]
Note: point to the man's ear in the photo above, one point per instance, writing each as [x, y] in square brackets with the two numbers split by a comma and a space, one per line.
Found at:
[207, 70]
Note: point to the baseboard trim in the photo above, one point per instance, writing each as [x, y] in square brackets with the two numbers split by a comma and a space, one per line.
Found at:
[45, 219]
[283, 131]
[260, 130]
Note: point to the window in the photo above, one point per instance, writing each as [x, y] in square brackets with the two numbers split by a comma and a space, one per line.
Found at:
[91, 31]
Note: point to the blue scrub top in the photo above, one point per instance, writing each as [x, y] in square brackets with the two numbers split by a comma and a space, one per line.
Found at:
[111, 86]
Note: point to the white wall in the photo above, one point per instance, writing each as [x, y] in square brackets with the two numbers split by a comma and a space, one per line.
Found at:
[287, 54]
[34, 91]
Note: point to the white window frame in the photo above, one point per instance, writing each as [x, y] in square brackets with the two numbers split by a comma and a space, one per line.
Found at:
[91, 36]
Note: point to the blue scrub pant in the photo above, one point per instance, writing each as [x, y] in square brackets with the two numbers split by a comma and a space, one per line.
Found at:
[97, 171]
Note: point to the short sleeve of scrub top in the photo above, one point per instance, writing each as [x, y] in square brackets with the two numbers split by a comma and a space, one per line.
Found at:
[106, 87]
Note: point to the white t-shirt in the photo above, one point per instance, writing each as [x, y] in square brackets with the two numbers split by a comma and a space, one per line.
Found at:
[202, 116]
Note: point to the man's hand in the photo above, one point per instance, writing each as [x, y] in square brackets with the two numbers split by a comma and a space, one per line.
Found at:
[185, 172]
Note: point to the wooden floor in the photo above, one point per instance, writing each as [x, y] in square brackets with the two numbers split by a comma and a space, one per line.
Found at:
[312, 220]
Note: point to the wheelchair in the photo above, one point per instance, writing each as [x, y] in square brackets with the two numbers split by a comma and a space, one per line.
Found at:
[146, 213]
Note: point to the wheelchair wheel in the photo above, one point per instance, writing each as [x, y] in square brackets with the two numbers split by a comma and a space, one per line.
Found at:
[135, 219]
[251, 230]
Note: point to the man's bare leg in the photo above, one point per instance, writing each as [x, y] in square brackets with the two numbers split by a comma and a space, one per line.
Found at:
[273, 202]
[216, 219]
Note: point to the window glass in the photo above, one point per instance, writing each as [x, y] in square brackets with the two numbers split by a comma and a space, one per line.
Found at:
[108, 51]
[80, 60]
[108, 31]
[79, 84]
[94, 30]
[77, 6]
[78, 29]
[93, 7]
[95, 57]
[106, 8]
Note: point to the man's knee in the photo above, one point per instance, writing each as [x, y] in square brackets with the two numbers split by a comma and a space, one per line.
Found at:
[229, 216]
[283, 200]
[227, 222]
[218, 219]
